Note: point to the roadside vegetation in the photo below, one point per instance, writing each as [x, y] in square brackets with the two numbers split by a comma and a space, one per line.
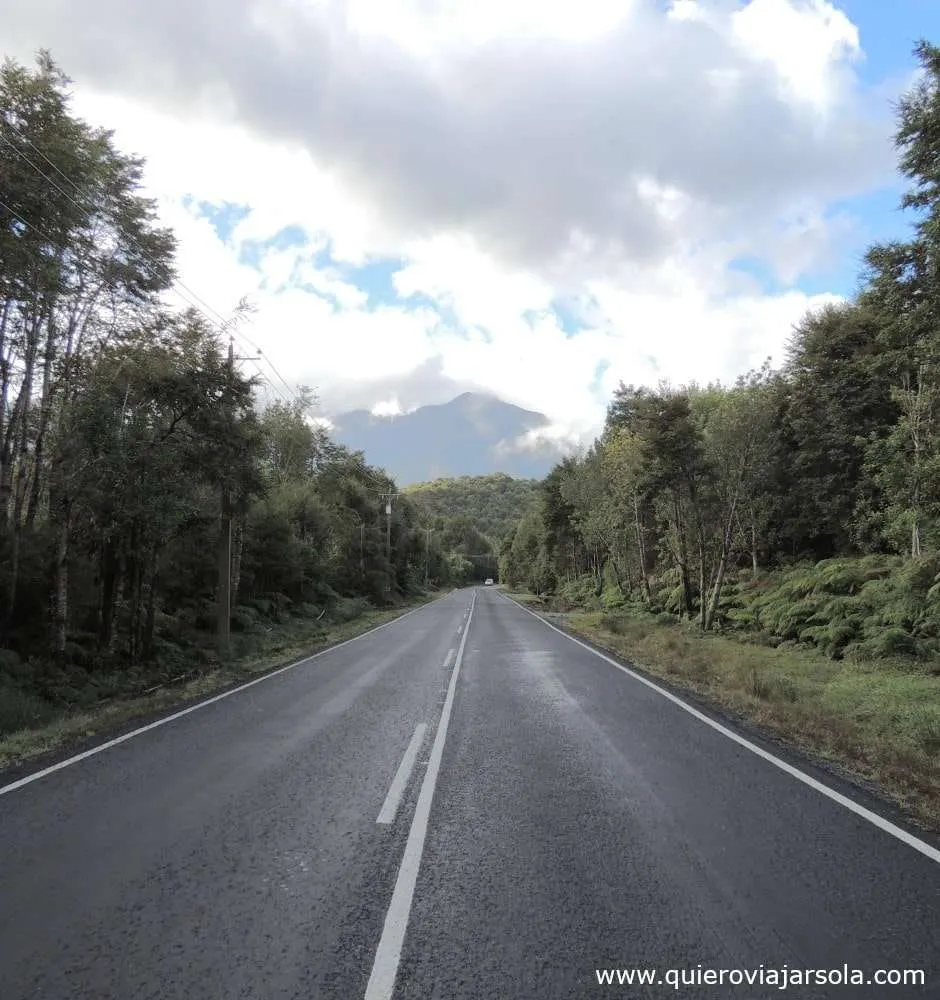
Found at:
[775, 544]
[133, 443]
[56, 719]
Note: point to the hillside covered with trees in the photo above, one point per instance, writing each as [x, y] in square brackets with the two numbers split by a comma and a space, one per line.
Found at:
[493, 503]
[132, 447]
[801, 504]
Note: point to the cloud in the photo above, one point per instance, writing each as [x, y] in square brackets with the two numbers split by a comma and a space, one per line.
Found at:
[566, 188]
[504, 120]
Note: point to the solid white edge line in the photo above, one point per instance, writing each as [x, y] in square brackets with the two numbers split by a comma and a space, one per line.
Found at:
[202, 704]
[402, 775]
[883, 824]
[388, 954]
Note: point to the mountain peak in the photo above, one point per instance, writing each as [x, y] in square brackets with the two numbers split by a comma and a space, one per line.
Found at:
[466, 436]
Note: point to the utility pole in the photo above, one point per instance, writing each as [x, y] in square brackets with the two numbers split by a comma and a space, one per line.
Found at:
[224, 599]
[427, 557]
[388, 540]
[362, 562]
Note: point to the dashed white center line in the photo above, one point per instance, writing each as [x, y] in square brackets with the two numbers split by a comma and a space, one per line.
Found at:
[388, 953]
[449, 658]
[400, 781]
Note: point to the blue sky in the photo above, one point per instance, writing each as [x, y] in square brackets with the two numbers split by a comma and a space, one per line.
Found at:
[888, 31]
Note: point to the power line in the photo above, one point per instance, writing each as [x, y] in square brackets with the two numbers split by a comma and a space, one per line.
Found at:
[114, 288]
[53, 240]
[176, 283]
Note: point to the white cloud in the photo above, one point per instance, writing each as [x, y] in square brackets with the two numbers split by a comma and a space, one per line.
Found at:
[387, 408]
[511, 153]
[808, 43]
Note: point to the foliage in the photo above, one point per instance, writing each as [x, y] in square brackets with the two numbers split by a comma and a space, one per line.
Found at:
[493, 504]
[130, 444]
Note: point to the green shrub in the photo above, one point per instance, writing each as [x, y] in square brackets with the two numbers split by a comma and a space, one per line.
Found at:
[245, 619]
[347, 609]
[832, 638]
[885, 643]
[22, 709]
[618, 624]
[612, 598]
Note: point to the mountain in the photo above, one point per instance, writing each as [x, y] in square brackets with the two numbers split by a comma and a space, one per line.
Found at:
[446, 440]
[492, 504]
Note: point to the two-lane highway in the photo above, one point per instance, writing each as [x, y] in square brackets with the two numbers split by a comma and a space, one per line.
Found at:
[463, 804]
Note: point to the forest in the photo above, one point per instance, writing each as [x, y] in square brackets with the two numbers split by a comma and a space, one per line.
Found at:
[802, 503]
[490, 505]
[136, 460]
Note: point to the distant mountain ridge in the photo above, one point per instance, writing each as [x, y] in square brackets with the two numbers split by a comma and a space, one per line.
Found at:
[465, 437]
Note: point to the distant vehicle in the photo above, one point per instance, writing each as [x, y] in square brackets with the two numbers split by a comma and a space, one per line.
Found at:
[488, 582]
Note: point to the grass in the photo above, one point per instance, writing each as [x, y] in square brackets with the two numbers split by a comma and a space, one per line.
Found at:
[296, 637]
[877, 721]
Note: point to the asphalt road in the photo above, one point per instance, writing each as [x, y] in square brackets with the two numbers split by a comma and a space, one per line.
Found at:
[560, 817]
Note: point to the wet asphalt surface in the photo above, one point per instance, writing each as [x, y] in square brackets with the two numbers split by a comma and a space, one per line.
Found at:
[580, 821]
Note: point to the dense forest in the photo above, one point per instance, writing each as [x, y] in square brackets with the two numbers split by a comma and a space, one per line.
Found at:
[137, 469]
[492, 504]
[802, 503]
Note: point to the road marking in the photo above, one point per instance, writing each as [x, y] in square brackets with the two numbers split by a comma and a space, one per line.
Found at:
[388, 953]
[449, 657]
[883, 824]
[400, 781]
[202, 704]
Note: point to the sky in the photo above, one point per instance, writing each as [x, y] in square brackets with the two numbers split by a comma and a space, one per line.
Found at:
[533, 198]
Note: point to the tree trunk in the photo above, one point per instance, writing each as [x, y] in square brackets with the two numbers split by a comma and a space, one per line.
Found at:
[238, 542]
[682, 559]
[62, 575]
[915, 526]
[45, 413]
[599, 560]
[109, 564]
[147, 644]
[703, 601]
[716, 591]
[4, 375]
[641, 549]
[137, 605]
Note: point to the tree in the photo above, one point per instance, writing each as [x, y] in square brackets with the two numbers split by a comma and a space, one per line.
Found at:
[624, 471]
[737, 434]
[902, 291]
[81, 257]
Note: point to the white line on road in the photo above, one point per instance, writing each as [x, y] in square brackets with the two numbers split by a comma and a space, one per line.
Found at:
[388, 953]
[859, 810]
[400, 781]
[449, 657]
[194, 708]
